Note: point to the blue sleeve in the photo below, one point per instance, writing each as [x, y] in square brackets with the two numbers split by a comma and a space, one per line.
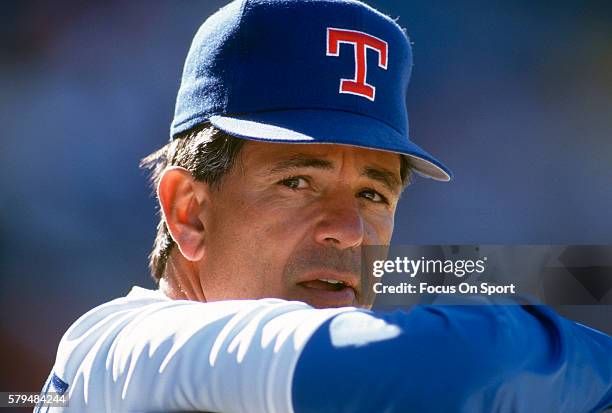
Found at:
[469, 358]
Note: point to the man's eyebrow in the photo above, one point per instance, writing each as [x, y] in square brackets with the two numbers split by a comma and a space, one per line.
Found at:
[301, 161]
[390, 180]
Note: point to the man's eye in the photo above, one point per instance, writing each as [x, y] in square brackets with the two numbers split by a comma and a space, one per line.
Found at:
[373, 196]
[295, 182]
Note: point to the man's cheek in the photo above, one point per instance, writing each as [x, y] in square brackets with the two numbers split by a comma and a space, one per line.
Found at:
[379, 232]
[265, 262]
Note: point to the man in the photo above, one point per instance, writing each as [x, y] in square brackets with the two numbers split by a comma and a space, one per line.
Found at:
[288, 155]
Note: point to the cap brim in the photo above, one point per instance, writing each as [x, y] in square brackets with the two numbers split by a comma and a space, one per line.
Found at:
[328, 126]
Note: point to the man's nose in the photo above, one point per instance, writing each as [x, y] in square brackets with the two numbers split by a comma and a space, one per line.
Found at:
[340, 223]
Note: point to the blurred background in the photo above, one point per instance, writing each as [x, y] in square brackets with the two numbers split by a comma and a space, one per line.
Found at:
[515, 96]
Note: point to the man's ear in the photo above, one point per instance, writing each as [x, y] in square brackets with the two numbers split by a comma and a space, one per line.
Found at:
[183, 200]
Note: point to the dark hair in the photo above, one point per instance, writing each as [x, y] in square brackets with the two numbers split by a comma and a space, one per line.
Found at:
[208, 153]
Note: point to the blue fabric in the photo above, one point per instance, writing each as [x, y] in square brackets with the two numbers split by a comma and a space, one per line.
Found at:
[339, 128]
[267, 61]
[461, 359]
[54, 385]
[59, 385]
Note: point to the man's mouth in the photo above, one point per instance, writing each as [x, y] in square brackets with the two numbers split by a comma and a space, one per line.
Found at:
[329, 291]
[328, 284]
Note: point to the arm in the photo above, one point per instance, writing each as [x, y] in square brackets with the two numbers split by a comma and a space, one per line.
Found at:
[457, 358]
[231, 356]
[279, 356]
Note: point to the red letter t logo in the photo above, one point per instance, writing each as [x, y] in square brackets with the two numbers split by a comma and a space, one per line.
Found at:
[361, 42]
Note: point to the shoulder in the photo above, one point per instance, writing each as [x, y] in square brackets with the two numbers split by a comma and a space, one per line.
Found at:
[143, 310]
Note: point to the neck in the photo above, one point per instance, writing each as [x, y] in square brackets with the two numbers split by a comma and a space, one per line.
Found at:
[181, 280]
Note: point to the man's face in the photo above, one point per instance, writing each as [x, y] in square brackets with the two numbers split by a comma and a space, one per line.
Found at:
[289, 219]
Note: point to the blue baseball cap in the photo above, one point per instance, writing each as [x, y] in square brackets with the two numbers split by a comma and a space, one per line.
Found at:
[303, 71]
